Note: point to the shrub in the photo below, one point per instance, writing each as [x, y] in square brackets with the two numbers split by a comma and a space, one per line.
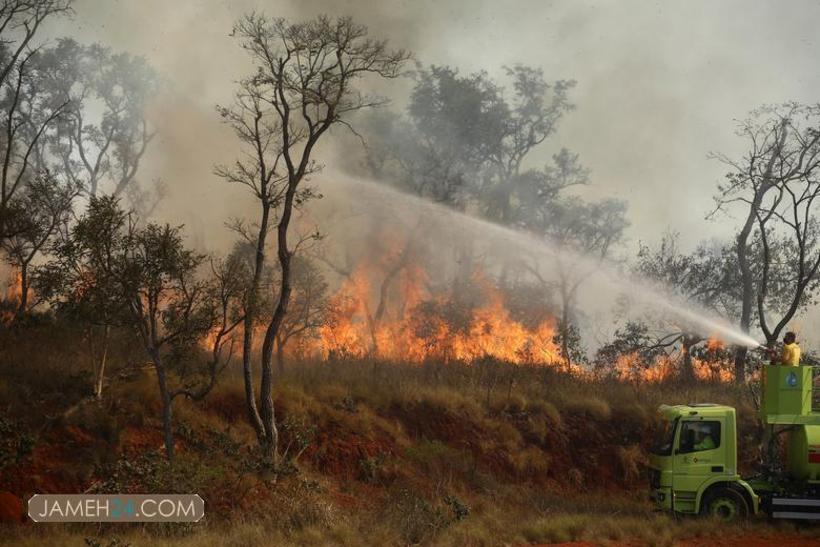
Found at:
[16, 442]
[597, 409]
[530, 462]
[417, 519]
[632, 460]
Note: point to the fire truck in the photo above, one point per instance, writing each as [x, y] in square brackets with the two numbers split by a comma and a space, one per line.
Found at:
[693, 463]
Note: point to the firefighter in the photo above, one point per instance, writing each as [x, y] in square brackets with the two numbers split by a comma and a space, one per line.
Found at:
[791, 351]
[790, 355]
[704, 441]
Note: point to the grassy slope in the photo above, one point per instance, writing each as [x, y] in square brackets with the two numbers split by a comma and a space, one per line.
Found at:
[387, 453]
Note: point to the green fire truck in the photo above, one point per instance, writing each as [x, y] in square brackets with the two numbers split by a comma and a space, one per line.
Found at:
[693, 464]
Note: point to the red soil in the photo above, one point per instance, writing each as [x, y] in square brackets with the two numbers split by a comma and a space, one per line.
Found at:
[11, 508]
[135, 440]
[735, 541]
[750, 541]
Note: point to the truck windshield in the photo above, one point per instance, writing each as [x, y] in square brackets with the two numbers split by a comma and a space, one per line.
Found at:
[664, 438]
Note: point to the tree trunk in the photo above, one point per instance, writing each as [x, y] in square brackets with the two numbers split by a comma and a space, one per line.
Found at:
[748, 289]
[280, 356]
[740, 360]
[566, 303]
[165, 397]
[270, 446]
[21, 310]
[371, 327]
[98, 380]
[271, 438]
[743, 258]
[254, 417]
[564, 330]
[687, 371]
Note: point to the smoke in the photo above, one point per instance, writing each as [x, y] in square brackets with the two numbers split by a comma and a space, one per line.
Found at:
[658, 88]
[444, 231]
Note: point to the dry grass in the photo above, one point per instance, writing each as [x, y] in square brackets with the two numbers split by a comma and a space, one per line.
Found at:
[398, 454]
[410, 521]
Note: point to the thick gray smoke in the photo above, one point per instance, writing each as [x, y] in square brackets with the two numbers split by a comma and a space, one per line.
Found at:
[658, 87]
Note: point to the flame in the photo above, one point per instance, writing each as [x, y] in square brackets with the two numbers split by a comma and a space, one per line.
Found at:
[207, 342]
[410, 332]
[13, 297]
[407, 321]
[631, 367]
[714, 344]
[715, 366]
[713, 371]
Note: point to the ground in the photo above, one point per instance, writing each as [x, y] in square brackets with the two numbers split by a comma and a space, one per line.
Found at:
[375, 453]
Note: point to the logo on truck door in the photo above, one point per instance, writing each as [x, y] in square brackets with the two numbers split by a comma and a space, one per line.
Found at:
[791, 379]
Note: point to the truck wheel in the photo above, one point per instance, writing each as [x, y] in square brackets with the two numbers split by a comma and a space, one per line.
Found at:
[725, 504]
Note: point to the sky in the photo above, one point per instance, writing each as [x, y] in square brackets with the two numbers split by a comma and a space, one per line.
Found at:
[660, 85]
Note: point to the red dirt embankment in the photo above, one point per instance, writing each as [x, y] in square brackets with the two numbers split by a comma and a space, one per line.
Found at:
[750, 541]
[736, 541]
[11, 508]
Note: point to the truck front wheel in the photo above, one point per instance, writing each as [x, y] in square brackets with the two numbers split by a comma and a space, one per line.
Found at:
[725, 504]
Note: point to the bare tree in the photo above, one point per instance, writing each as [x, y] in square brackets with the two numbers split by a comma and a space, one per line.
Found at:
[28, 105]
[303, 85]
[228, 291]
[775, 185]
[257, 129]
[104, 144]
[20, 20]
[590, 232]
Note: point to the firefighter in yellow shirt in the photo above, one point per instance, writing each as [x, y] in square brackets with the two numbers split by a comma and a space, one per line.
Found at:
[791, 351]
[790, 355]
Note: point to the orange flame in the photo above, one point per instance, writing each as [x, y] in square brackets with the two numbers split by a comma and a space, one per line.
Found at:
[714, 344]
[13, 297]
[713, 367]
[14, 290]
[358, 328]
[207, 342]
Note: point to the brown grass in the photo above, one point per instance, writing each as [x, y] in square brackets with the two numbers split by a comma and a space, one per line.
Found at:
[396, 454]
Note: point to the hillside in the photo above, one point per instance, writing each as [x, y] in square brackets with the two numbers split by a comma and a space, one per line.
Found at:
[398, 454]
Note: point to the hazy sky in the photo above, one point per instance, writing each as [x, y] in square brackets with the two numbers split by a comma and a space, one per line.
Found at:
[659, 83]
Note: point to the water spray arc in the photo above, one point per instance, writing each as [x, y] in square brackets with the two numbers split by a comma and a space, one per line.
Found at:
[453, 224]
